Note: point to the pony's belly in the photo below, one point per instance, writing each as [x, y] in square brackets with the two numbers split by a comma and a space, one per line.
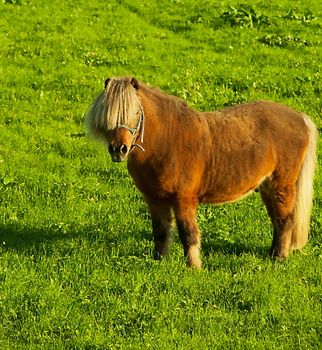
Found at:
[217, 198]
[229, 193]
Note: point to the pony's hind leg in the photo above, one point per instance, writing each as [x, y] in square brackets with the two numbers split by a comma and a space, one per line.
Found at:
[267, 199]
[185, 213]
[280, 203]
[161, 216]
[284, 221]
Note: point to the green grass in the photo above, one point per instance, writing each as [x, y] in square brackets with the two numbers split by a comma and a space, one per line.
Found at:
[75, 235]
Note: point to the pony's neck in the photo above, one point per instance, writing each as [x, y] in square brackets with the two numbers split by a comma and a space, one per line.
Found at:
[163, 109]
[162, 115]
[154, 125]
[153, 118]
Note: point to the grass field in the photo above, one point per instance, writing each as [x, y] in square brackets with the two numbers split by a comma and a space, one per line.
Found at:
[75, 235]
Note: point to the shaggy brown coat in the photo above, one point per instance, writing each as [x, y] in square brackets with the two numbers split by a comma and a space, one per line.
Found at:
[185, 157]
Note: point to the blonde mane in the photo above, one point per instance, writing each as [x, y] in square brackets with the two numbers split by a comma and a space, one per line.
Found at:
[117, 105]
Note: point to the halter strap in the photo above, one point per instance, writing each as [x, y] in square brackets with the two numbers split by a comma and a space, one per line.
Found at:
[131, 130]
[135, 132]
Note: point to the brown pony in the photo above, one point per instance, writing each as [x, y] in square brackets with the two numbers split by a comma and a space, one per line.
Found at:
[179, 157]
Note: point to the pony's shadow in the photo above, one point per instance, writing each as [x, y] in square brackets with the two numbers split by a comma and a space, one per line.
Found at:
[33, 240]
[29, 240]
[64, 241]
[234, 248]
[22, 238]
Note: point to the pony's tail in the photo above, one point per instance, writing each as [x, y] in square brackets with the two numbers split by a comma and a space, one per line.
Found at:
[304, 191]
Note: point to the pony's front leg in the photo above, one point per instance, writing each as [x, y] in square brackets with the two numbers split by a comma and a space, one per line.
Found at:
[161, 216]
[189, 233]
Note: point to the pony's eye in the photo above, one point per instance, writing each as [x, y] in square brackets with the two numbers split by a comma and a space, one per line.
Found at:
[123, 149]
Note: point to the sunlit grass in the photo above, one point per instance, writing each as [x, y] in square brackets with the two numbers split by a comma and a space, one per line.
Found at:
[75, 235]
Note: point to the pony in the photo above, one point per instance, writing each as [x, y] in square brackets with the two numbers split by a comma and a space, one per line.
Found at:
[179, 157]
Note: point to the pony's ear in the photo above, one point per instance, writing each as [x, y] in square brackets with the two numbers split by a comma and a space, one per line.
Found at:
[106, 82]
[135, 83]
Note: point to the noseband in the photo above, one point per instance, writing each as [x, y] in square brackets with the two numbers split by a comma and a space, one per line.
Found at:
[135, 132]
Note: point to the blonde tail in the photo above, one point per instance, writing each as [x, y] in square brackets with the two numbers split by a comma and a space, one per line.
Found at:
[304, 196]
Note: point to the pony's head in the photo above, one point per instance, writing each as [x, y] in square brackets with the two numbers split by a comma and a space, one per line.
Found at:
[117, 118]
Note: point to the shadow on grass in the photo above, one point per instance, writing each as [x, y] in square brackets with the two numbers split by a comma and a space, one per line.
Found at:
[234, 248]
[44, 240]
[62, 239]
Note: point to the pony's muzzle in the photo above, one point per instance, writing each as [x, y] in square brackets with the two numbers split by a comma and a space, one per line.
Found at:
[118, 154]
[117, 159]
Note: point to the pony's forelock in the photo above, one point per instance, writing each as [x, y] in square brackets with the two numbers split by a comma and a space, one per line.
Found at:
[117, 105]
[122, 103]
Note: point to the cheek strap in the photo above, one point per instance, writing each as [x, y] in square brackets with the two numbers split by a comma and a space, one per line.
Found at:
[136, 131]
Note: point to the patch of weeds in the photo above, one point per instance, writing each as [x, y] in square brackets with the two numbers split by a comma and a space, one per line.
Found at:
[6, 181]
[283, 41]
[178, 27]
[175, 25]
[203, 17]
[14, 2]
[245, 16]
[307, 17]
[92, 59]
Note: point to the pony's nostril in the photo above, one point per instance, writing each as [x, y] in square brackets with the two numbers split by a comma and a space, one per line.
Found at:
[123, 149]
[110, 149]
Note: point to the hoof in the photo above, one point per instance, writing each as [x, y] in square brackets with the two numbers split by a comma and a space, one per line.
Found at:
[277, 255]
[157, 255]
[193, 259]
[196, 267]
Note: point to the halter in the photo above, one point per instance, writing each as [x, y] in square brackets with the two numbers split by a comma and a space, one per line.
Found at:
[135, 132]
